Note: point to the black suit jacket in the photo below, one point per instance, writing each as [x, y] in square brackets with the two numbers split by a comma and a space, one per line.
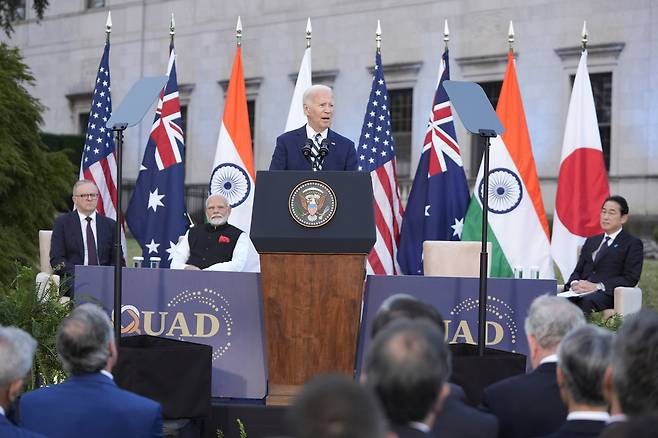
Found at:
[578, 429]
[458, 419]
[620, 265]
[527, 405]
[67, 246]
[288, 152]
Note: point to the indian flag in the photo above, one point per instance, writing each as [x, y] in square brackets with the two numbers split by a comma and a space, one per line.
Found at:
[517, 228]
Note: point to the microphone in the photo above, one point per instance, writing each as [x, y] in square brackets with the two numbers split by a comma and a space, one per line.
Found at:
[324, 148]
[306, 149]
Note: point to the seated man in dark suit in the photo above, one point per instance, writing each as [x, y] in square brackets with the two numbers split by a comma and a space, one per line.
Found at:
[314, 146]
[583, 356]
[529, 405]
[456, 418]
[16, 353]
[89, 403]
[83, 236]
[631, 380]
[407, 367]
[334, 406]
[607, 261]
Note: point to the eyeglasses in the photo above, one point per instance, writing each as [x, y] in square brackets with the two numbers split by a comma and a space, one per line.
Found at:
[87, 195]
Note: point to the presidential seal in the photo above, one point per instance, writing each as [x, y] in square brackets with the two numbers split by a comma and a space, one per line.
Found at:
[312, 203]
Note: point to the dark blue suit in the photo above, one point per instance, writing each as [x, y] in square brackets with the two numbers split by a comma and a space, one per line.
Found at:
[288, 152]
[527, 405]
[8, 430]
[458, 419]
[67, 246]
[578, 429]
[619, 265]
[89, 405]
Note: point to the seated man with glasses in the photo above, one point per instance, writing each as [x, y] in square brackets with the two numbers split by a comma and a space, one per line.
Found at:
[83, 236]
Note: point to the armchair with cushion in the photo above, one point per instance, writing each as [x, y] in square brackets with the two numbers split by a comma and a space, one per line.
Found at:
[46, 275]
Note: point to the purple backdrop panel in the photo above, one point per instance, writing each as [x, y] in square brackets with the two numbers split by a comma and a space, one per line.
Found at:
[220, 309]
[457, 299]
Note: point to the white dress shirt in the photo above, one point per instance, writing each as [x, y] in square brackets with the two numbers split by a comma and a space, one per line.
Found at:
[588, 415]
[310, 133]
[245, 257]
[83, 226]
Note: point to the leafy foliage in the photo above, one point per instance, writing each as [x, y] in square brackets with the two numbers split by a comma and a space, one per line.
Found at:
[9, 12]
[22, 307]
[611, 323]
[33, 181]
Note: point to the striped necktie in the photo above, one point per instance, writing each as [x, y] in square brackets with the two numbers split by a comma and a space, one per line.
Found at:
[315, 153]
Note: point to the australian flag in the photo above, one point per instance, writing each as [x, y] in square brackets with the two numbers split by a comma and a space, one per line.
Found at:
[156, 212]
[439, 196]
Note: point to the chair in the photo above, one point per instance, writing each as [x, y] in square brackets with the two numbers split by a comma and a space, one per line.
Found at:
[46, 275]
[443, 258]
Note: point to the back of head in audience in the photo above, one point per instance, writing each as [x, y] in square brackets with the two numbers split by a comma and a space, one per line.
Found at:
[16, 353]
[407, 366]
[403, 306]
[583, 357]
[549, 320]
[85, 340]
[635, 364]
[334, 406]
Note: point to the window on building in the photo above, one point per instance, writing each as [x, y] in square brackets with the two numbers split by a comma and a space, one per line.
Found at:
[602, 91]
[251, 110]
[91, 4]
[21, 10]
[492, 90]
[83, 121]
[401, 107]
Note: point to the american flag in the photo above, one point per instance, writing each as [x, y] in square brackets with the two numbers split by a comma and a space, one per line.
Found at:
[376, 151]
[98, 163]
[156, 212]
[439, 196]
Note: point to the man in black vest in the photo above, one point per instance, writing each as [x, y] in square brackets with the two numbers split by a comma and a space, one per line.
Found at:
[216, 245]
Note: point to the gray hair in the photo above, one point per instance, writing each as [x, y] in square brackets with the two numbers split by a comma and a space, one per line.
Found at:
[83, 340]
[583, 356]
[220, 196]
[407, 365]
[81, 183]
[635, 363]
[550, 318]
[310, 92]
[16, 353]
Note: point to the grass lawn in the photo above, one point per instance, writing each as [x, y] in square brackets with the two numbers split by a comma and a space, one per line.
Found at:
[649, 284]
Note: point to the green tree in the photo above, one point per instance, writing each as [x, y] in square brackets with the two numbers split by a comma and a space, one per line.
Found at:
[33, 181]
[9, 12]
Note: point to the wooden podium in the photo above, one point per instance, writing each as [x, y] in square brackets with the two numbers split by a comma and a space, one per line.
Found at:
[312, 277]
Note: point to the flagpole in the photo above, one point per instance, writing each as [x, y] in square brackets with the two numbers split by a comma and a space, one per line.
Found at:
[118, 133]
[583, 39]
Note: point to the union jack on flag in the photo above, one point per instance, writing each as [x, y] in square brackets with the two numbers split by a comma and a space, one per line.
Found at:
[376, 152]
[439, 195]
[156, 212]
[98, 163]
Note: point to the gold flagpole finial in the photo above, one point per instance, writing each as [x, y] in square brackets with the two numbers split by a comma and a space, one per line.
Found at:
[378, 36]
[309, 30]
[446, 32]
[510, 36]
[583, 36]
[108, 26]
[238, 31]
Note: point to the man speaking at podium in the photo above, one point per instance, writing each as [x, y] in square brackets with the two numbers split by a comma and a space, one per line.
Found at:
[314, 146]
